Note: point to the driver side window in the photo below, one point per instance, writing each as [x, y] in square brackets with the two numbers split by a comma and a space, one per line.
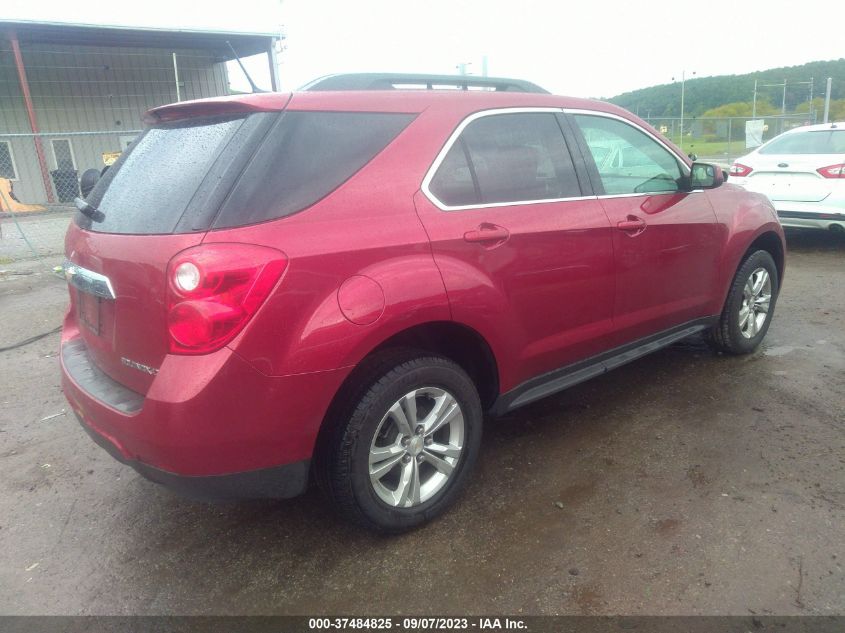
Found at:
[628, 160]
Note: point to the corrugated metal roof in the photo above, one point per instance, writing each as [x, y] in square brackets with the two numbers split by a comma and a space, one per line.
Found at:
[125, 36]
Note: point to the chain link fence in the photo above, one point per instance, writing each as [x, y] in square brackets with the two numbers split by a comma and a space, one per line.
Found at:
[39, 181]
[723, 140]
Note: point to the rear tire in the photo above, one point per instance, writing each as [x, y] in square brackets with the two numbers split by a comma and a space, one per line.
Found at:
[404, 448]
[749, 308]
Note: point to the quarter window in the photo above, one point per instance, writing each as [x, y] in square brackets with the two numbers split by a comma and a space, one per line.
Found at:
[627, 159]
[503, 158]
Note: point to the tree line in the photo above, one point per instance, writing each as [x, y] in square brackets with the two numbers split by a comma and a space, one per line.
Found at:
[732, 95]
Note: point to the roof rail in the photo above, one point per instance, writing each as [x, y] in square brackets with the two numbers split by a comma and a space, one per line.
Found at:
[394, 81]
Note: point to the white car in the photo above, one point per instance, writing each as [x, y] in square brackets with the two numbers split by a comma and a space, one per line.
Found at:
[802, 171]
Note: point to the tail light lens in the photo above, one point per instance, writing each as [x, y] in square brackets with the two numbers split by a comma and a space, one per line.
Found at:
[833, 171]
[213, 291]
[740, 170]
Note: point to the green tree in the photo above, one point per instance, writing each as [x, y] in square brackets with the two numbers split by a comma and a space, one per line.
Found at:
[740, 109]
[837, 108]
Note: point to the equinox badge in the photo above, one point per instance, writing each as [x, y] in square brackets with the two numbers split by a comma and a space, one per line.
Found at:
[152, 371]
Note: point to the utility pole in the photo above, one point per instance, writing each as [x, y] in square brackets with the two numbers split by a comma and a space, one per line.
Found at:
[783, 103]
[783, 100]
[683, 82]
[827, 100]
[811, 109]
[754, 102]
[783, 107]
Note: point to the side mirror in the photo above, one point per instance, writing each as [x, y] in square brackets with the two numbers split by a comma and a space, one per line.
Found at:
[88, 180]
[706, 176]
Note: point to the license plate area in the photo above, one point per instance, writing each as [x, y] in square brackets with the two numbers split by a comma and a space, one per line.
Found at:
[88, 309]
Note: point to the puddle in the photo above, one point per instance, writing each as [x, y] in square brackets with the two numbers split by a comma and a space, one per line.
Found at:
[779, 350]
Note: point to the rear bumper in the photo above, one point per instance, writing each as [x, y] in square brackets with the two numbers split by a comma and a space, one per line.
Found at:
[210, 426]
[280, 482]
[811, 219]
[822, 214]
[830, 210]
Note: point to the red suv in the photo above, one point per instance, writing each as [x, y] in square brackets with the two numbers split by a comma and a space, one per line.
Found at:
[338, 285]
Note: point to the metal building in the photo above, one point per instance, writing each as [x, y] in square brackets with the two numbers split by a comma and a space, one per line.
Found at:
[72, 96]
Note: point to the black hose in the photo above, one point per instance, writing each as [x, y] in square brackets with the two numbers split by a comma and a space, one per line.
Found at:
[31, 339]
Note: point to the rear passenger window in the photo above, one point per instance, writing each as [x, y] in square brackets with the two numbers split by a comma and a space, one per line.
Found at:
[505, 158]
[306, 157]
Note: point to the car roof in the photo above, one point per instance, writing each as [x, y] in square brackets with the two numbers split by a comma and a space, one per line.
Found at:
[817, 127]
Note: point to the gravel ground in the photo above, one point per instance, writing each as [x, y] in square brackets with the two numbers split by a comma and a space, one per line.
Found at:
[30, 236]
[684, 483]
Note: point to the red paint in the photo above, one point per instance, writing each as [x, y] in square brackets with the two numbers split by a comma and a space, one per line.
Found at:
[666, 269]
[361, 300]
[557, 283]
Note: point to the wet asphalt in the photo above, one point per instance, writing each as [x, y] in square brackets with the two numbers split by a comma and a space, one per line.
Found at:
[683, 483]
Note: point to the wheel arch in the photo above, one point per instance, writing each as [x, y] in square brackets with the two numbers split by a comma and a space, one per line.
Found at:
[457, 342]
[768, 239]
[770, 242]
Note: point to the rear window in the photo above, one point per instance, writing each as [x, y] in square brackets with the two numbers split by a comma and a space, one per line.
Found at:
[227, 172]
[307, 156]
[150, 187]
[810, 142]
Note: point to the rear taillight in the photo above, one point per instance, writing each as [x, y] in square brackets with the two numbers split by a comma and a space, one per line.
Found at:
[740, 170]
[833, 171]
[214, 289]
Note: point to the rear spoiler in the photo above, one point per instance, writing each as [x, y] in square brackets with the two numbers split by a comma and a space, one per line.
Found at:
[218, 106]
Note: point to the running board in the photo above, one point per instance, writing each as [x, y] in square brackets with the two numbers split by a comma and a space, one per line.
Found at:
[569, 376]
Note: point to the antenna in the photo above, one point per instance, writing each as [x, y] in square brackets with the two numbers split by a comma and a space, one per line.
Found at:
[240, 63]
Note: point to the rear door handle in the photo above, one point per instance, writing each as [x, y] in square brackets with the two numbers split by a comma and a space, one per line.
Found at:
[487, 233]
[632, 225]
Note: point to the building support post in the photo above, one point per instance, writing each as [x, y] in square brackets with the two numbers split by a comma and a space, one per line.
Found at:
[176, 78]
[274, 66]
[30, 111]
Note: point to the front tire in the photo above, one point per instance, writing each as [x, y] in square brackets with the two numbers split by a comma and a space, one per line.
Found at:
[405, 452]
[749, 307]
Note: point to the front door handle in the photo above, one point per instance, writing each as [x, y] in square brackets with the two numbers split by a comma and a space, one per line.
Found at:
[632, 225]
[487, 233]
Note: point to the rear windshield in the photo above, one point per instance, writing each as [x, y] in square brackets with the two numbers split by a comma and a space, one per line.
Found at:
[150, 187]
[810, 142]
[228, 172]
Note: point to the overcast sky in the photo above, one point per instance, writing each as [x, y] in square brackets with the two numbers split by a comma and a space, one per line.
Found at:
[596, 48]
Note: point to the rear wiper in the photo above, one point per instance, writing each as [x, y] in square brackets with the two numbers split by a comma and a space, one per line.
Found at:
[89, 210]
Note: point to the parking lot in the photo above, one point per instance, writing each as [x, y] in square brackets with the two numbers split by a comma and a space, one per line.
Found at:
[683, 483]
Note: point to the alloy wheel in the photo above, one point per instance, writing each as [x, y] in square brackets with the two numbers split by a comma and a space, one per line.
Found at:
[756, 299]
[416, 447]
